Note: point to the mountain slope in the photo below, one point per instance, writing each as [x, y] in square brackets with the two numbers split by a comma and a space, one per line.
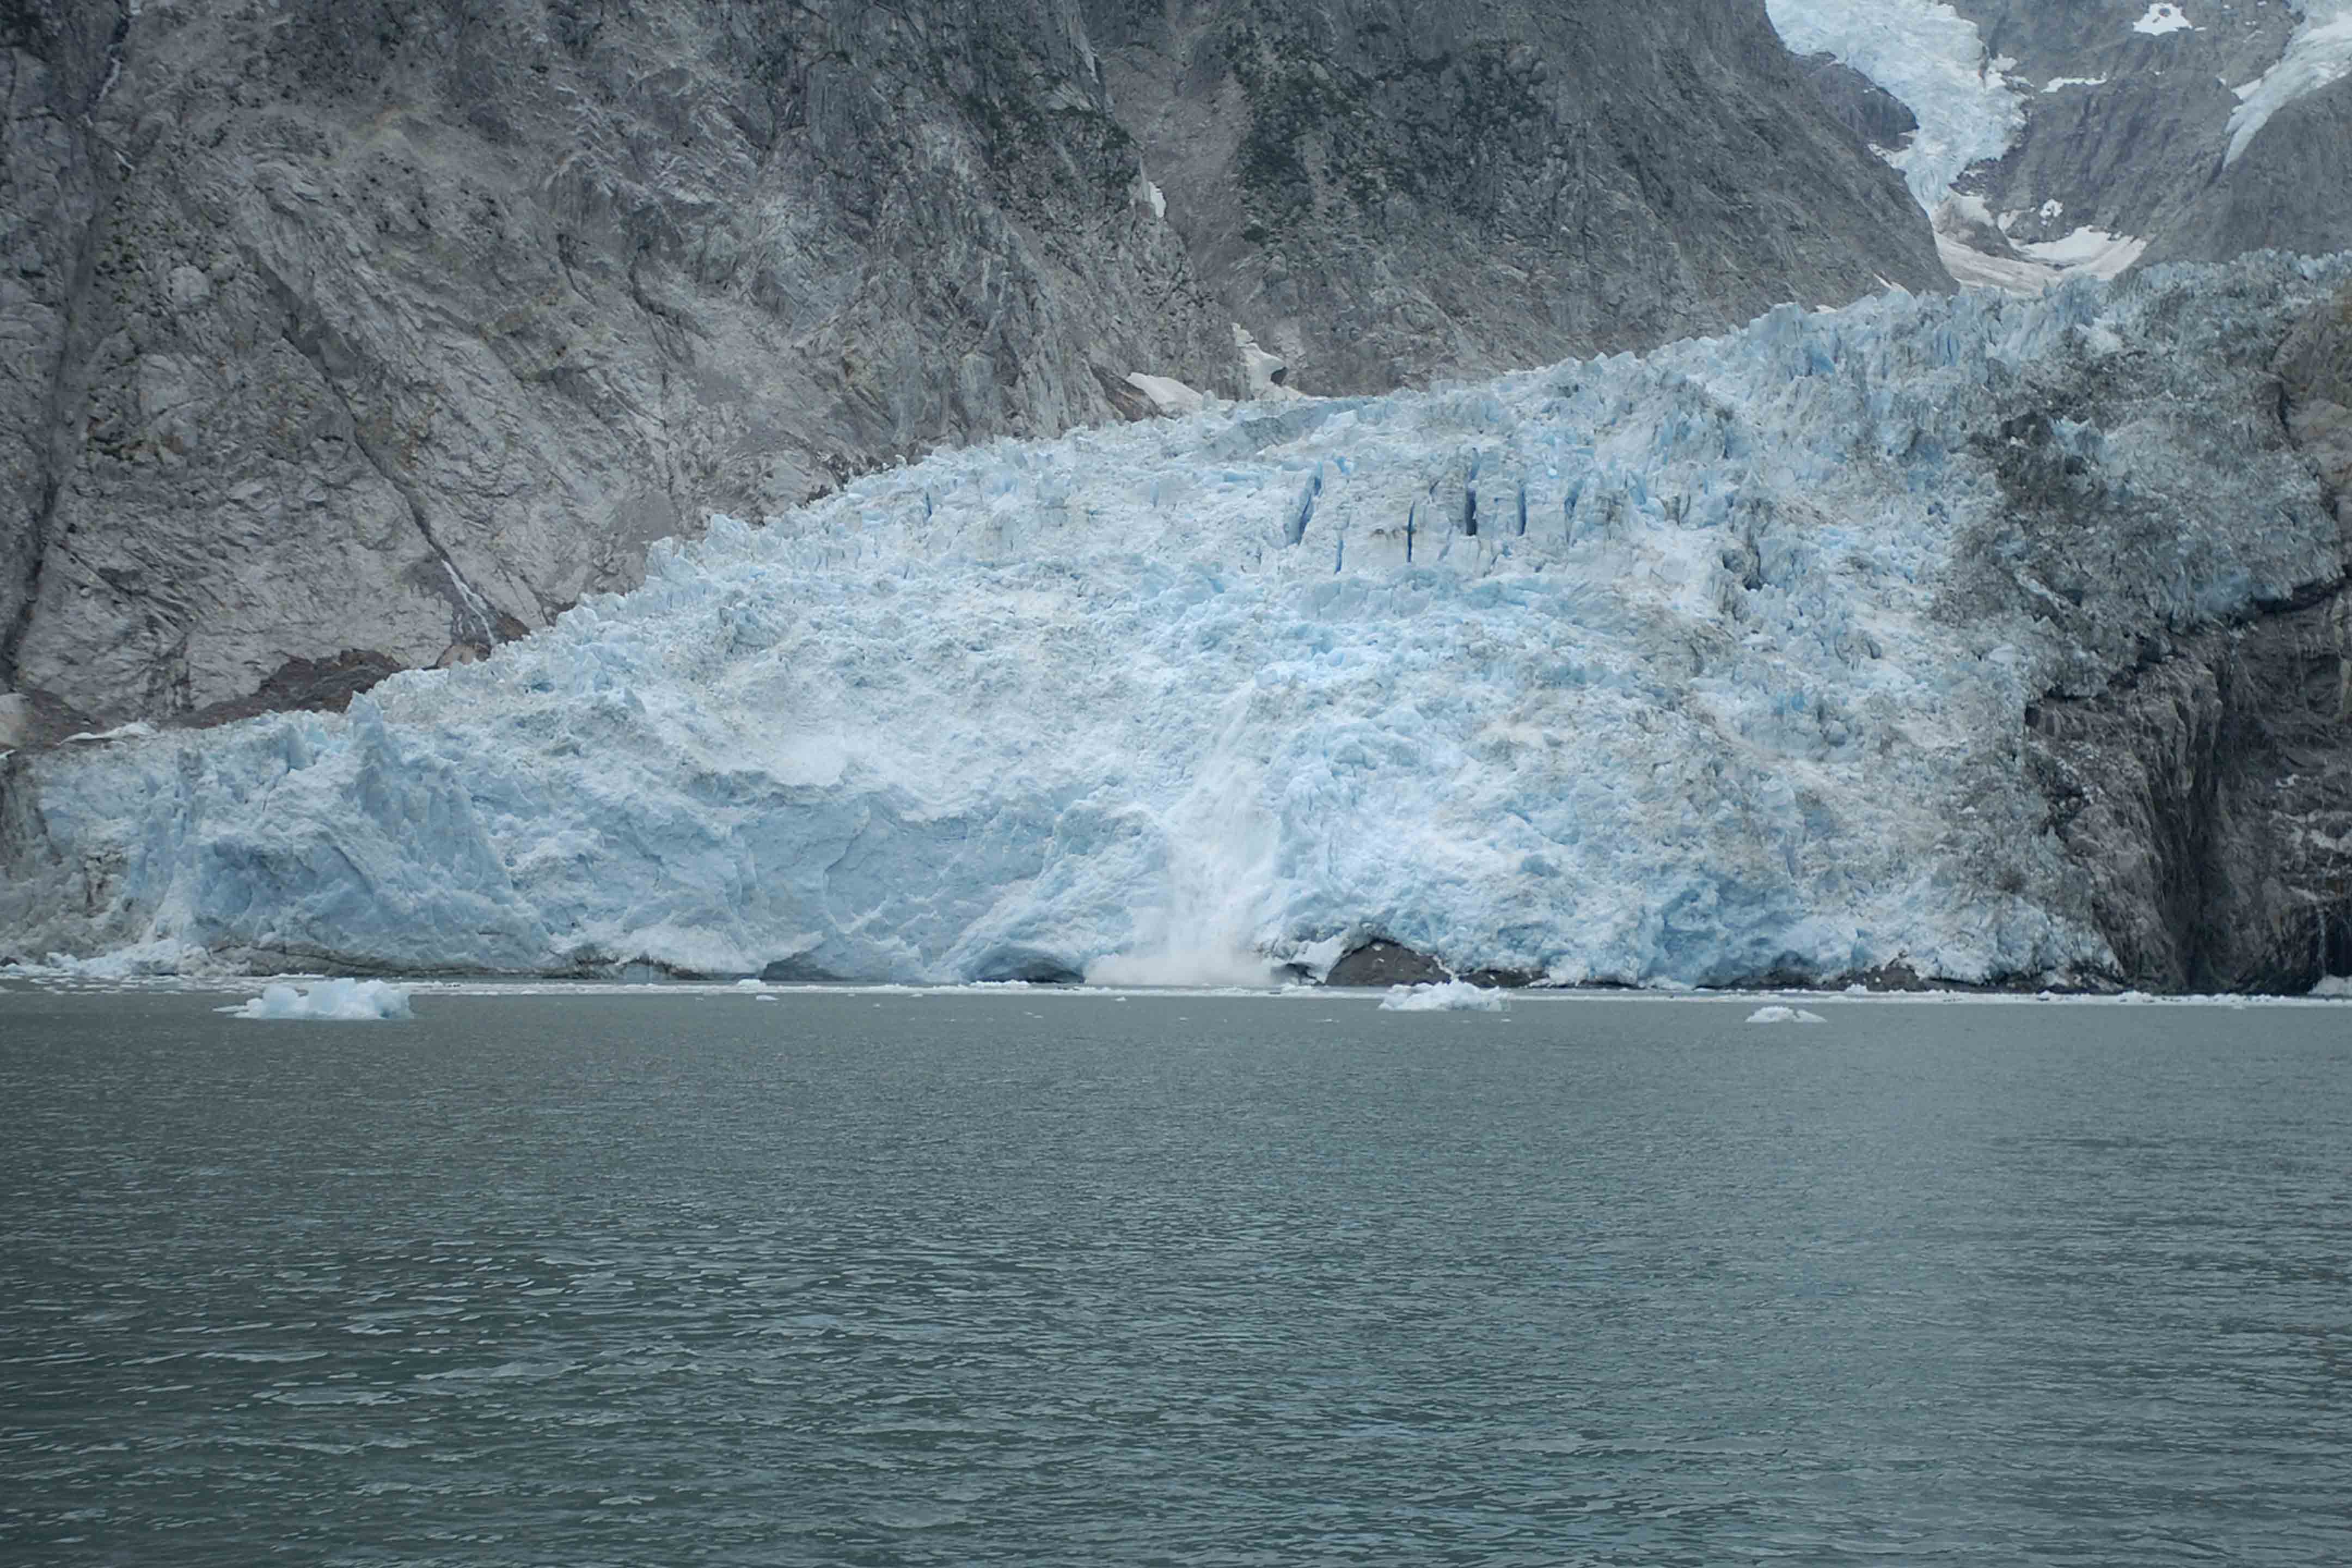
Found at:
[1385, 192]
[2089, 137]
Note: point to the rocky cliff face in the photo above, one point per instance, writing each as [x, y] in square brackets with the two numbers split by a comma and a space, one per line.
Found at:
[2205, 795]
[1382, 191]
[2125, 124]
[2291, 189]
[354, 334]
[396, 327]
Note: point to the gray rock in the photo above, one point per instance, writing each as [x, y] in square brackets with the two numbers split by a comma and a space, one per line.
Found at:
[1384, 962]
[400, 326]
[383, 329]
[2139, 132]
[1385, 193]
[2291, 189]
[1860, 104]
[2133, 141]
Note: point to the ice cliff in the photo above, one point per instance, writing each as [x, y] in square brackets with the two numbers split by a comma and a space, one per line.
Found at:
[1720, 664]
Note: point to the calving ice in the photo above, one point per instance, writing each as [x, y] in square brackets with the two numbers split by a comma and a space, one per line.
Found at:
[1703, 666]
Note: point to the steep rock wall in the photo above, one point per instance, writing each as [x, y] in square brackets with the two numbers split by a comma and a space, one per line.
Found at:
[1385, 192]
[397, 326]
[2205, 795]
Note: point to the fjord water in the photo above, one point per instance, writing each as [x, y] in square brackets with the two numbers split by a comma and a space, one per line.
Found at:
[621, 1276]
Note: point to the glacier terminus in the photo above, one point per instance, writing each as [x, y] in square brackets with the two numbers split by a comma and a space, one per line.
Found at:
[1706, 666]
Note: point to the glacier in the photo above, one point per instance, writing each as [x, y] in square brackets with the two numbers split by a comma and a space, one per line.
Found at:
[1930, 60]
[1693, 669]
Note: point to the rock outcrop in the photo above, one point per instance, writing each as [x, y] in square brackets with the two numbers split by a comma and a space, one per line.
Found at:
[396, 327]
[2290, 190]
[2205, 796]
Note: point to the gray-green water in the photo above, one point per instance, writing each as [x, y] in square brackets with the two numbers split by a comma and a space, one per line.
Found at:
[620, 1277]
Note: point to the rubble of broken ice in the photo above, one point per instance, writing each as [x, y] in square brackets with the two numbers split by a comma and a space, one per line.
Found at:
[1689, 669]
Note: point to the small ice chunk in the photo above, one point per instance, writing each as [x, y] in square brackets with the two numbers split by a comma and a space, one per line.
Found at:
[2134, 997]
[751, 987]
[1776, 1014]
[328, 1001]
[1447, 997]
[138, 731]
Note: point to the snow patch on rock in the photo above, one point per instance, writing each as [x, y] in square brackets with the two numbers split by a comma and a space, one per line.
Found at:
[2093, 252]
[1169, 398]
[2318, 55]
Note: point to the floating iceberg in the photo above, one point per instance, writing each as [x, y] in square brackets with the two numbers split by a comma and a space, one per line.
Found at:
[1684, 669]
[330, 1001]
[1776, 1014]
[1446, 996]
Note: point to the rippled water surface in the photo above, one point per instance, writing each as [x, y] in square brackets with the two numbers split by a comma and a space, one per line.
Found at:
[848, 1279]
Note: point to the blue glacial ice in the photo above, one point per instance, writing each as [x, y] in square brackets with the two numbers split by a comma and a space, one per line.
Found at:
[1678, 669]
